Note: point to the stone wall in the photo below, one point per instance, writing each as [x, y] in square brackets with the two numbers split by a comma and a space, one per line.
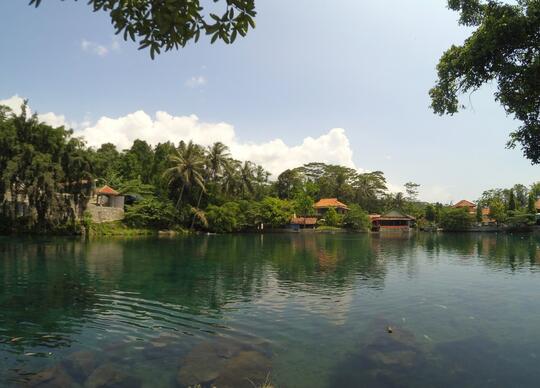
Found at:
[105, 214]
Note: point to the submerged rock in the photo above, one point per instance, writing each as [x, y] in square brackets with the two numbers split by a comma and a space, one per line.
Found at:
[246, 369]
[110, 375]
[55, 377]
[225, 363]
[389, 359]
[81, 364]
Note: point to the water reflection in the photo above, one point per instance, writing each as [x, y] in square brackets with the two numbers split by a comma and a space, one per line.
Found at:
[312, 309]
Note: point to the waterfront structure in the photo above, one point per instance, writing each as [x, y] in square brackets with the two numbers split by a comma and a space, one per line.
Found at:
[107, 205]
[471, 207]
[298, 223]
[109, 197]
[394, 220]
[325, 204]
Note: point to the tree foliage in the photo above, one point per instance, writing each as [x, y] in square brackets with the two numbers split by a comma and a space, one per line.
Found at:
[504, 47]
[151, 213]
[163, 25]
[455, 219]
[45, 173]
[357, 219]
[332, 218]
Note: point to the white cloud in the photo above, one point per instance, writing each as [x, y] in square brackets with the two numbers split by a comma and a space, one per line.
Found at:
[275, 155]
[50, 118]
[99, 49]
[14, 103]
[196, 81]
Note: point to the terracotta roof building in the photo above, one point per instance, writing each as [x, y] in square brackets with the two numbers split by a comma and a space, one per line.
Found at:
[106, 196]
[393, 220]
[107, 190]
[326, 203]
[468, 204]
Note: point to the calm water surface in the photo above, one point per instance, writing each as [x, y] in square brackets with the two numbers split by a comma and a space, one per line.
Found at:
[299, 310]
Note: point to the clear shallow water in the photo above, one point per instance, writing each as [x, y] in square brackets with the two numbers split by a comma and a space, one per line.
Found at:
[303, 310]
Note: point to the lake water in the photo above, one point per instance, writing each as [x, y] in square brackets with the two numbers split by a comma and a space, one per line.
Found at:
[313, 310]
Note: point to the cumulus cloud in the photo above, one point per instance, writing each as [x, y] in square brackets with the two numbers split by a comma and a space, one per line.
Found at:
[99, 49]
[15, 102]
[275, 154]
[196, 81]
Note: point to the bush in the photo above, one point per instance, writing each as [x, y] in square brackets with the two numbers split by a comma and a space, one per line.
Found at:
[151, 213]
[225, 218]
[332, 218]
[275, 212]
[520, 220]
[357, 219]
[455, 219]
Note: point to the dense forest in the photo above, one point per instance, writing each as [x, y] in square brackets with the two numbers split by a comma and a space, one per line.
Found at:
[187, 186]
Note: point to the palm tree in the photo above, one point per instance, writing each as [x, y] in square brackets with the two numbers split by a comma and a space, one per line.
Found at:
[217, 156]
[261, 178]
[188, 169]
[231, 177]
[246, 178]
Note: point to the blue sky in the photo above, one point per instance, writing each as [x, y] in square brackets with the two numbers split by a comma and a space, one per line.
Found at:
[309, 67]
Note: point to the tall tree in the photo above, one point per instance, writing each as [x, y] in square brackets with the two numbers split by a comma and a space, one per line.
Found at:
[169, 24]
[512, 201]
[187, 170]
[503, 47]
[478, 213]
[44, 169]
[411, 189]
[531, 204]
[218, 156]
[521, 193]
[288, 183]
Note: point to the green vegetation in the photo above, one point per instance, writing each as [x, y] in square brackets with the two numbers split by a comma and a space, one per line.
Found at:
[110, 229]
[170, 24]
[151, 213]
[47, 177]
[503, 47]
[44, 175]
[455, 219]
[357, 219]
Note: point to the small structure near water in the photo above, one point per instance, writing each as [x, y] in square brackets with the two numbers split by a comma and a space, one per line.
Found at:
[298, 223]
[107, 205]
[394, 220]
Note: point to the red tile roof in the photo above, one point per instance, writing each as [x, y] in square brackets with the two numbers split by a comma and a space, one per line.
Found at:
[107, 190]
[464, 203]
[330, 202]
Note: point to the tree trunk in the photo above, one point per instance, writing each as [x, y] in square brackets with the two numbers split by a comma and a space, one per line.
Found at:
[198, 204]
[181, 195]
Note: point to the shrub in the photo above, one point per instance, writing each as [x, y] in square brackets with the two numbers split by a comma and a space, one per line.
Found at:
[357, 219]
[332, 218]
[225, 218]
[275, 212]
[151, 213]
[455, 219]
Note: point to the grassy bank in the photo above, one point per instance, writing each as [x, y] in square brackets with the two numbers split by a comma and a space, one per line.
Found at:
[118, 228]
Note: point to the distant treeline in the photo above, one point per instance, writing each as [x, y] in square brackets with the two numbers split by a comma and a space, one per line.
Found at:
[50, 174]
